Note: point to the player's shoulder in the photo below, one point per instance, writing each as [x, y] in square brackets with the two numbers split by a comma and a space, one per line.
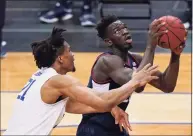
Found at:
[59, 81]
[109, 62]
[109, 59]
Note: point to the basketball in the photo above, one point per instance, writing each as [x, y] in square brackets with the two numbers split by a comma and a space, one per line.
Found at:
[175, 38]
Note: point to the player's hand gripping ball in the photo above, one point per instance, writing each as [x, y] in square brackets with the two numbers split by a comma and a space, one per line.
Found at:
[176, 36]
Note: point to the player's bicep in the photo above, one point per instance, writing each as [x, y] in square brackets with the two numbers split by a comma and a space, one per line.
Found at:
[114, 68]
[121, 75]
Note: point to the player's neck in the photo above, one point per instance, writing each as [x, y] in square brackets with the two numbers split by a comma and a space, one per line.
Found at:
[121, 53]
[59, 70]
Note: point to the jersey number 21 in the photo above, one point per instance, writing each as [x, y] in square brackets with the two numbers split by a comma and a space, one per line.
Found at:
[25, 89]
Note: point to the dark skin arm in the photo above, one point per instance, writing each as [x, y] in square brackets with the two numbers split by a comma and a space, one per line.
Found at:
[113, 66]
[167, 80]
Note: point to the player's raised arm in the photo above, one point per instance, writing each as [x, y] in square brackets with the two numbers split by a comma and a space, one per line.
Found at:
[113, 66]
[103, 101]
[153, 35]
[167, 79]
[117, 71]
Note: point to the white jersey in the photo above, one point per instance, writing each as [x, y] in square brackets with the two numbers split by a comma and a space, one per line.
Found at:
[31, 116]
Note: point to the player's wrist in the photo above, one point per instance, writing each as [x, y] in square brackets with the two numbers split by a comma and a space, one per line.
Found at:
[134, 83]
[131, 85]
[151, 45]
[114, 111]
[174, 57]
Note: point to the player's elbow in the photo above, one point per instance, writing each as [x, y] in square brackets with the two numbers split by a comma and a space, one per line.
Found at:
[168, 88]
[69, 110]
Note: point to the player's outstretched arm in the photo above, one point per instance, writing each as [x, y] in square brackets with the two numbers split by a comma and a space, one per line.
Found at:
[87, 96]
[73, 106]
[104, 101]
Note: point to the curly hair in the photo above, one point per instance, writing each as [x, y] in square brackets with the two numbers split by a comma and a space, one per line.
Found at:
[103, 24]
[46, 51]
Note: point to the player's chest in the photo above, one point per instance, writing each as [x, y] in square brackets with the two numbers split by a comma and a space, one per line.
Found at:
[130, 64]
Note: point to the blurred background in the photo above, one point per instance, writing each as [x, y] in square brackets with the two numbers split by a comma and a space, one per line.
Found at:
[25, 21]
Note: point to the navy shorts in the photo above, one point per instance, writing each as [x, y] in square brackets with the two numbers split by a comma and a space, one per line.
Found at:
[96, 130]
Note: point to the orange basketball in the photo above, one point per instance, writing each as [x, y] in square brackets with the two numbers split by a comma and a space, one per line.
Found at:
[175, 38]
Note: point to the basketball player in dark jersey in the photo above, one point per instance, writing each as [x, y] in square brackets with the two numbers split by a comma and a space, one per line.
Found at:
[115, 67]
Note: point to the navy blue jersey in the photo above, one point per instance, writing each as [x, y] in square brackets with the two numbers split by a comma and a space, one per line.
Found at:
[105, 120]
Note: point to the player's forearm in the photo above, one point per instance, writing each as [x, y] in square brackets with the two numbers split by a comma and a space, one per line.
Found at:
[170, 75]
[148, 57]
[75, 107]
[102, 102]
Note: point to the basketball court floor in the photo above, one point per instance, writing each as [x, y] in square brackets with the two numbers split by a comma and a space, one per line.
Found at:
[150, 113]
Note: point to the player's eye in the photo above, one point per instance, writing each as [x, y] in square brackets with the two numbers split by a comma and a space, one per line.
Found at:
[117, 31]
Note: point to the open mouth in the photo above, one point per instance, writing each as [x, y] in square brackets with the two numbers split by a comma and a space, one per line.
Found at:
[128, 39]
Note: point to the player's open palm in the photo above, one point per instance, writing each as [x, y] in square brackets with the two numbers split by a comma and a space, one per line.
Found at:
[145, 75]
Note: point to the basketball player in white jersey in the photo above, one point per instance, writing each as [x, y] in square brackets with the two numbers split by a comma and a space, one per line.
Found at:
[41, 104]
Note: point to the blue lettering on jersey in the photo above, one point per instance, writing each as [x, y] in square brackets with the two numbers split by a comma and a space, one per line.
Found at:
[38, 73]
[25, 89]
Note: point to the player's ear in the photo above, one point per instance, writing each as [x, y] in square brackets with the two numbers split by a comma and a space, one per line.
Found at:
[108, 41]
[60, 59]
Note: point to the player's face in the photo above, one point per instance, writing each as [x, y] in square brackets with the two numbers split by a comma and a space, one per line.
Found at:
[68, 58]
[118, 34]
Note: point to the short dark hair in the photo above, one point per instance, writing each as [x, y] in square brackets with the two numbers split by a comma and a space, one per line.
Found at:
[46, 51]
[104, 23]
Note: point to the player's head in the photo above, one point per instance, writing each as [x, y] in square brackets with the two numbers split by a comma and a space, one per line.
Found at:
[54, 51]
[114, 32]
